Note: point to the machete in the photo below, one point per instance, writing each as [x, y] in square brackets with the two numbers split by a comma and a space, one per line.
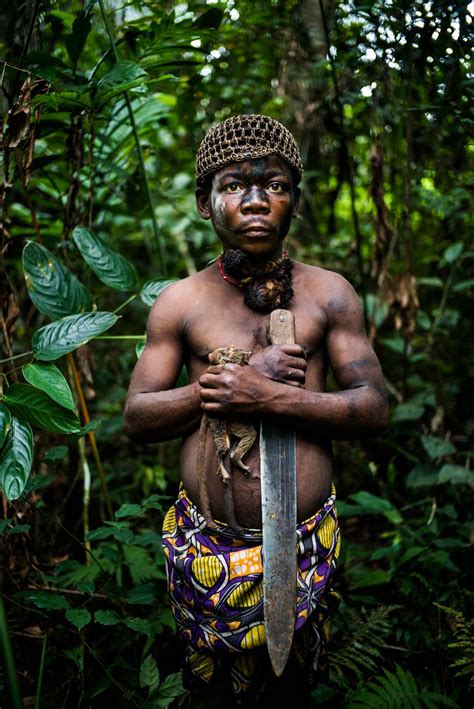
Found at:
[278, 480]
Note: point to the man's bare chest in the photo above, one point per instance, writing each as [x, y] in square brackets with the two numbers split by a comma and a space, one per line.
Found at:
[219, 324]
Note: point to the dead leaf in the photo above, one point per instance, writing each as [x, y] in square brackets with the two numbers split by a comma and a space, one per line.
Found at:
[400, 294]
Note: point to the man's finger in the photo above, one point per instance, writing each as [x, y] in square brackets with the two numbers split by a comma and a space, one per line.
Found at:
[294, 350]
[208, 380]
[296, 363]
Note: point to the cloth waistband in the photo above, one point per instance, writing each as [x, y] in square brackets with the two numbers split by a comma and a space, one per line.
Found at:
[184, 501]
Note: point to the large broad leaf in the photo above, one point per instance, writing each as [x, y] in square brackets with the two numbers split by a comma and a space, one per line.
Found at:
[152, 289]
[112, 268]
[76, 40]
[40, 410]
[51, 380]
[65, 335]
[5, 423]
[51, 286]
[16, 459]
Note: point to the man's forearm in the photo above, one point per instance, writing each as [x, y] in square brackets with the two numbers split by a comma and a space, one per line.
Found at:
[349, 414]
[151, 417]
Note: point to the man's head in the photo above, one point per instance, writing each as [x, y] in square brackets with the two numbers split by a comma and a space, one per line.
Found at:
[242, 138]
[247, 171]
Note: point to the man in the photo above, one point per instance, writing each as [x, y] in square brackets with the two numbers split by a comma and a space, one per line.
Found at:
[247, 171]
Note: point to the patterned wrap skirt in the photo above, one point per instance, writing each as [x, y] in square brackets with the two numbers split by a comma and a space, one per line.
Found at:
[215, 583]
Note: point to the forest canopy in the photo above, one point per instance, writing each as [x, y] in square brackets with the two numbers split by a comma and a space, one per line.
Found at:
[103, 107]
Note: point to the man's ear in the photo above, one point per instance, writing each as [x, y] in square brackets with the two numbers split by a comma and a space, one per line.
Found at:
[296, 206]
[203, 199]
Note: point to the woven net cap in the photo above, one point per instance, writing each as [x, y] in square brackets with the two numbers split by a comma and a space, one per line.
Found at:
[243, 138]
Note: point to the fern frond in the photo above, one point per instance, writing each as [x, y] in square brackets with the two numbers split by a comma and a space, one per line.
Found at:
[463, 643]
[358, 643]
[393, 690]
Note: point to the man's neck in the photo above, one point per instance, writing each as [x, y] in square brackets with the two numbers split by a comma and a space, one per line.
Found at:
[266, 283]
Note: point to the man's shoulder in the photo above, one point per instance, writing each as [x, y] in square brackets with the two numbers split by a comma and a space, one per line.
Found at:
[322, 278]
[178, 293]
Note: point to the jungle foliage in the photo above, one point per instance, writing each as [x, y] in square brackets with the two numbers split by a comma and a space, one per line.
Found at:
[103, 106]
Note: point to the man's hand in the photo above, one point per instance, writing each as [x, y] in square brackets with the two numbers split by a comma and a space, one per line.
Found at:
[230, 389]
[282, 363]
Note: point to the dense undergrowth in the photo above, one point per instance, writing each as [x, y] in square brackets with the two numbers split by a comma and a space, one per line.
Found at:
[102, 113]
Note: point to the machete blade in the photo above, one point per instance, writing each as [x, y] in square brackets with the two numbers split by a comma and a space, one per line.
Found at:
[279, 541]
[278, 476]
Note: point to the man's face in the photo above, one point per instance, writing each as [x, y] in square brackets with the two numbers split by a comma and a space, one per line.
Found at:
[251, 204]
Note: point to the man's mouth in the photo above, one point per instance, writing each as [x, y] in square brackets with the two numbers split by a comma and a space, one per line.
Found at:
[256, 229]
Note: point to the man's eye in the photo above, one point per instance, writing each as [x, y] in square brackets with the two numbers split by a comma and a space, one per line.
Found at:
[232, 187]
[275, 187]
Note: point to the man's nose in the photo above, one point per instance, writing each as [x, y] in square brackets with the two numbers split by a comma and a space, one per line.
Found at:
[255, 200]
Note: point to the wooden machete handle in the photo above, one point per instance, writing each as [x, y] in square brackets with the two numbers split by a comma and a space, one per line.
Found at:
[281, 327]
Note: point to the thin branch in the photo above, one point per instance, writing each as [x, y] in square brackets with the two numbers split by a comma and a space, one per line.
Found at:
[345, 148]
[91, 434]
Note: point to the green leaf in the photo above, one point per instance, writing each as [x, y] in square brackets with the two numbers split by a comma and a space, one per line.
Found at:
[170, 688]
[55, 454]
[107, 617]
[407, 412]
[19, 529]
[128, 510]
[149, 674]
[79, 617]
[371, 504]
[360, 578]
[65, 335]
[452, 253]
[5, 423]
[16, 459]
[437, 447]
[139, 625]
[44, 599]
[51, 286]
[39, 409]
[422, 475]
[145, 594]
[110, 267]
[428, 281]
[50, 379]
[463, 285]
[152, 289]
[100, 533]
[76, 40]
[121, 74]
[456, 475]
[410, 554]
[139, 347]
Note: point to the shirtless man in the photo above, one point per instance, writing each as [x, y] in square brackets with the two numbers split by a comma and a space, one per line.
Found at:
[248, 168]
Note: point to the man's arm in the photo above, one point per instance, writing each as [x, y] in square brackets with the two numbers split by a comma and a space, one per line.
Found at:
[358, 410]
[154, 410]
